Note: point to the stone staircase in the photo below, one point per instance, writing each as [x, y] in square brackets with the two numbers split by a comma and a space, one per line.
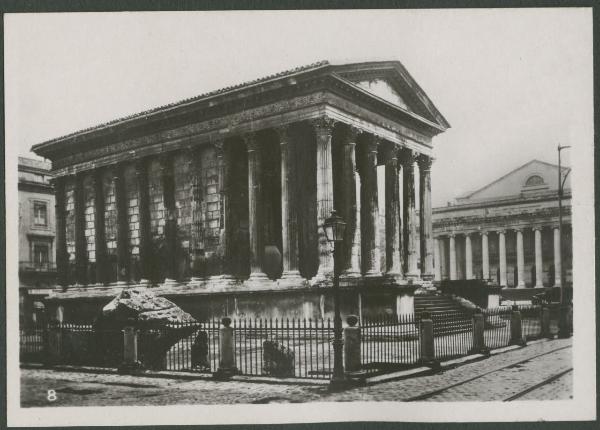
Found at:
[448, 316]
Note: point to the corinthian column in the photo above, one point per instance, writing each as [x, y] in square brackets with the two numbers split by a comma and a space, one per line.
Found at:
[502, 252]
[410, 218]
[81, 260]
[369, 203]
[122, 226]
[425, 222]
[520, 260]
[557, 260]
[351, 205]
[538, 257]
[168, 181]
[323, 129]
[255, 226]
[146, 251]
[393, 256]
[485, 255]
[62, 261]
[289, 212]
[437, 258]
[452, 257]
[468, 257]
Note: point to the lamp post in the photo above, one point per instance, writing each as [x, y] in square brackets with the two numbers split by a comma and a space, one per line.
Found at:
[334, 228]
[563, 329]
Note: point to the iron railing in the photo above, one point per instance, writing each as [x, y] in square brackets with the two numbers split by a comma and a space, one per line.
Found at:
[452, 334]
[389, 342]
[531, 321]
[497, 327]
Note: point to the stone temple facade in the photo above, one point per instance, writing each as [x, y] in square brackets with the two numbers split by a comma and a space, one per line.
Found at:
[216, 202]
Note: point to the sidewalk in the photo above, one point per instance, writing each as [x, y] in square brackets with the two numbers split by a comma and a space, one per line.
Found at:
[531, 364]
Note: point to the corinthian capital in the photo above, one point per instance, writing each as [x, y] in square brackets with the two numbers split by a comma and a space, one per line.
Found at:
[323, 125]
[407, 156]
[424, 162]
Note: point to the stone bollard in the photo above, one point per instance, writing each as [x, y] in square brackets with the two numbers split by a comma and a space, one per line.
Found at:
[516, 333]
[226, 351]
[478, 334]
[352, 359]
[426, 339]
[545, 323]
[131, 364]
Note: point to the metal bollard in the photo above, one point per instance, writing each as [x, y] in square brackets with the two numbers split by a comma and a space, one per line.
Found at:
[516, 332]
[545, 323]
[226, 349]
[352, 358]
[131, 364]
[478, 334]
[426, 340]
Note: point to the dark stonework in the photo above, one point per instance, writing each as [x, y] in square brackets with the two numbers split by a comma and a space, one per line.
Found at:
[61, 240]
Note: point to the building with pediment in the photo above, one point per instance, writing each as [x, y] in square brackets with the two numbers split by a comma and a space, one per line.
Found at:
[507, 231]
[216, 201]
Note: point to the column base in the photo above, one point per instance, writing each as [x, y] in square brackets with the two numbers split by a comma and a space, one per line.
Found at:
[520, 285]
[144, 282]
[170, 283]
[195, 282]
[372, 274]
[121, 283]
[539, 286]
[351, 274]
[292, 279]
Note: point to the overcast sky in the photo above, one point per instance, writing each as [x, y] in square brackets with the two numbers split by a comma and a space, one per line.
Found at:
[512, 83]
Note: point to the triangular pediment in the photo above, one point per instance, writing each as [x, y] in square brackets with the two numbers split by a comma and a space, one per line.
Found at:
[531, 178]
[391, 82]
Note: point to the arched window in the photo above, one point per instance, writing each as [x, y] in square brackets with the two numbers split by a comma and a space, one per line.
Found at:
[534, 180]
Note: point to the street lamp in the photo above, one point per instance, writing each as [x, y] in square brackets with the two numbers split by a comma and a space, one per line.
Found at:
[334, 228]
[563, 329]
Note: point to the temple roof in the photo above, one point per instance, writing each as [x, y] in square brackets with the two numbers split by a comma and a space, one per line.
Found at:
[352, 74]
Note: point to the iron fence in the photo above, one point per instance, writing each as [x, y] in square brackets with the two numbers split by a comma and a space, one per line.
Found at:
[531, 321]
[389, 342]
[452, 334]
[497, 327]
[298, 348]
[32, 339]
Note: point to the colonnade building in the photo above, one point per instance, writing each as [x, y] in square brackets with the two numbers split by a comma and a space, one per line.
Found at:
[217, 201]
[507, 231]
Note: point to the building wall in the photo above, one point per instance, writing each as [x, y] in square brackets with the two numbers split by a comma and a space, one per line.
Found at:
[26, 222]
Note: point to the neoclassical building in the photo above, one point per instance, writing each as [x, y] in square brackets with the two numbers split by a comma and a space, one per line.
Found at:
[217, 201]
[507, 231]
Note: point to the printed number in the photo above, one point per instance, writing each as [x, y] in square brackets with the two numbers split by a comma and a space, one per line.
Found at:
[51, 395]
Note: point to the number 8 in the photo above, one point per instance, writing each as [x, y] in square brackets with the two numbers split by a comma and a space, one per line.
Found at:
[51, 395]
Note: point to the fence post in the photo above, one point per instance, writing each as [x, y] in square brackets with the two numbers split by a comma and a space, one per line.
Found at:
[516, 332]
[226, 351]
[426, 341]
[54, 344]
[478, 334]
[352, 359]
[130, 364]
[545, 322]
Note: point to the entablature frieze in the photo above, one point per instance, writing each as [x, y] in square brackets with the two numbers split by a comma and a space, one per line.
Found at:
[543, 218]
[272, 116]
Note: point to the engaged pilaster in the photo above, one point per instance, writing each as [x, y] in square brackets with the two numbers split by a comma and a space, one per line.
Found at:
[425, 221]
[323, 129]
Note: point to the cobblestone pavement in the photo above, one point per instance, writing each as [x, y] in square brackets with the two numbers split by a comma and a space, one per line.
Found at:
[496, 378]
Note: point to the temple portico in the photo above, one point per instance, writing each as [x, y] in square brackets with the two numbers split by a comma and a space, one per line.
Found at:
[206, 198]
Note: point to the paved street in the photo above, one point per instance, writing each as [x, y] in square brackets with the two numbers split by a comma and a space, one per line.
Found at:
[538, 371]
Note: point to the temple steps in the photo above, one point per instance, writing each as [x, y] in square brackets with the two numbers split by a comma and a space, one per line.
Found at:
[448, 316]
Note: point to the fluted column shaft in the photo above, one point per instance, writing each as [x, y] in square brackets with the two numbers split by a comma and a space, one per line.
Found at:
[557, 261]
[453, 275]
[224, 178]
[255, 226]
[323, 131]
[81, 257]
[369, 202]
[537, 231]
[485, 255]
[289, 211]
[351, 205]
[99, 228]
[61, 232]
[425, 220]
[393, 256]
[468, 257]
[502, 252]
[410, 228]
[520, 260]
[122, 226]
[437, 258]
